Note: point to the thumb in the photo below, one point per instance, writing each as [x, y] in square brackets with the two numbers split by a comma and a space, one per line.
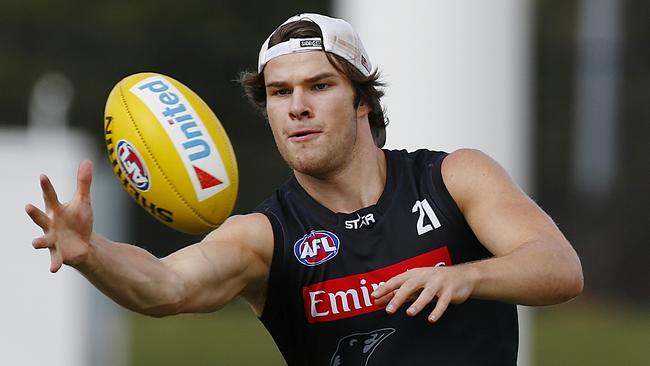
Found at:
[56, 260]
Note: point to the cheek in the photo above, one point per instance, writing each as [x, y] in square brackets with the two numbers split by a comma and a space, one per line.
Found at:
[276, 131]
[273, 119]
[341, 110]
[341, 103]
[271, 112]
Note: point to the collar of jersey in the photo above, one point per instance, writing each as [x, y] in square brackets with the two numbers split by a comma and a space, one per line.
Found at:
[336, 218]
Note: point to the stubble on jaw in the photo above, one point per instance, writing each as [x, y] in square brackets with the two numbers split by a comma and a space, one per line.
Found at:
[320, 161]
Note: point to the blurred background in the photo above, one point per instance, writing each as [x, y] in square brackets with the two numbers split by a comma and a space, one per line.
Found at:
[578, 92]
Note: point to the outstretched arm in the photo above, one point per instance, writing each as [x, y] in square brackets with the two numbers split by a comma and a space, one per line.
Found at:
[232, 260]
[533, 263]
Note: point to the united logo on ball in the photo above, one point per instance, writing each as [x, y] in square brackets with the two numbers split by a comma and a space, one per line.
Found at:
[170, 152]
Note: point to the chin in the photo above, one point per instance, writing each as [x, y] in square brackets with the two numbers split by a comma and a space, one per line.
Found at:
[315, 166]
[310, 167]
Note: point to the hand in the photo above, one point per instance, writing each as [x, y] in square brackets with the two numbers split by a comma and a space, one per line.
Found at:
[67, 227]
[453, 284]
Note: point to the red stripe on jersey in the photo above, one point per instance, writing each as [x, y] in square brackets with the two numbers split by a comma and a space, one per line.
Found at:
[349, 296]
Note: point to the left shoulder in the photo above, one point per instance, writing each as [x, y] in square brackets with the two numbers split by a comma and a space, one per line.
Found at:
[468, 159]
[417, 158]
[470, 174]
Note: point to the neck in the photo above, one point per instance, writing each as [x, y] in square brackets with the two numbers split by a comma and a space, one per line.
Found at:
[356, 185]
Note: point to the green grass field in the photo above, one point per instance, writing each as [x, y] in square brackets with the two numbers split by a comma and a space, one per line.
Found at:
[570, 334]
[232, 336]
[594, 335]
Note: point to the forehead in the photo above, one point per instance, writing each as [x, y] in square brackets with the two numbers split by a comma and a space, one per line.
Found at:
[298, 66]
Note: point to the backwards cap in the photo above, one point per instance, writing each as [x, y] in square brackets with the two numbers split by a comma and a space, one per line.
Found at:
[339, 38]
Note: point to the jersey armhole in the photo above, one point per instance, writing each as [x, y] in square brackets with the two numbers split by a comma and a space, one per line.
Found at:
[272, 303]
[450, 208]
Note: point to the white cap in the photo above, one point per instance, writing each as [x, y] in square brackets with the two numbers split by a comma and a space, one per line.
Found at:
[339, 38]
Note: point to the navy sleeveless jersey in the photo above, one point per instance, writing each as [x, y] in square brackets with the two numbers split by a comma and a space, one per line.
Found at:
[325, 266]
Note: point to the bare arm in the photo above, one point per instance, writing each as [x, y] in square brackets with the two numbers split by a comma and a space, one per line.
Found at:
[533, 263]
[232, 260]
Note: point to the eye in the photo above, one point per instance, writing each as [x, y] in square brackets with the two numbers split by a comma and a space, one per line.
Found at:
[321, 86]
[281, 92]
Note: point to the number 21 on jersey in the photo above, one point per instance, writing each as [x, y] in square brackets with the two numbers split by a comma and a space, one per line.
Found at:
[424, 208]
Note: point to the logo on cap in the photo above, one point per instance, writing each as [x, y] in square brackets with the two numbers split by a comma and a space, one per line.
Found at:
[311, 43]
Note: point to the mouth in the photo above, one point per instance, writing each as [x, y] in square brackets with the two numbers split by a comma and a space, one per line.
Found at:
[304, 135]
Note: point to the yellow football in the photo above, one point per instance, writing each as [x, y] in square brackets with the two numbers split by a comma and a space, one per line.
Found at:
[170, 152]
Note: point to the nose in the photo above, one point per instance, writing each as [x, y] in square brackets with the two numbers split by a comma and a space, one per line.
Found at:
[299, 108]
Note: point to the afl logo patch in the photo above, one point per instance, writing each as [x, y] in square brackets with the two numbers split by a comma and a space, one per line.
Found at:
[316, 247]
[133, 165]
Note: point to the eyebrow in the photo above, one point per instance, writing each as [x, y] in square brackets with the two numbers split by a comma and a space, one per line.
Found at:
[315, 78]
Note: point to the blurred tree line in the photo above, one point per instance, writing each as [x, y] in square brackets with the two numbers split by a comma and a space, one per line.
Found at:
[610, 231]
[206, 44]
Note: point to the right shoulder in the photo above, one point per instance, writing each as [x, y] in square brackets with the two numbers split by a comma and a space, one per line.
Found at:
[251, 233]
[251, 230]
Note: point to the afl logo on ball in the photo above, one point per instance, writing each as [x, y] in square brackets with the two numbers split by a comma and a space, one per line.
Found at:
[133, 165]
[316, 247]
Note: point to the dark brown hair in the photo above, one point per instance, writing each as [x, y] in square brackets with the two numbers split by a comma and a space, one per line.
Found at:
[366, 88]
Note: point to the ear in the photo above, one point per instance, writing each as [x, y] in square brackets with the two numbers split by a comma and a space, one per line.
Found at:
[363, 109]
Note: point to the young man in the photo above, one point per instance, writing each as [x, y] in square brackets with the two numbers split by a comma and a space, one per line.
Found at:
[364, 256]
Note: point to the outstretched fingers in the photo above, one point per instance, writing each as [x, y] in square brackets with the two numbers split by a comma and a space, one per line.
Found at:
[39, 217]
[42, 242]
[84, 180]
[49, 194]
